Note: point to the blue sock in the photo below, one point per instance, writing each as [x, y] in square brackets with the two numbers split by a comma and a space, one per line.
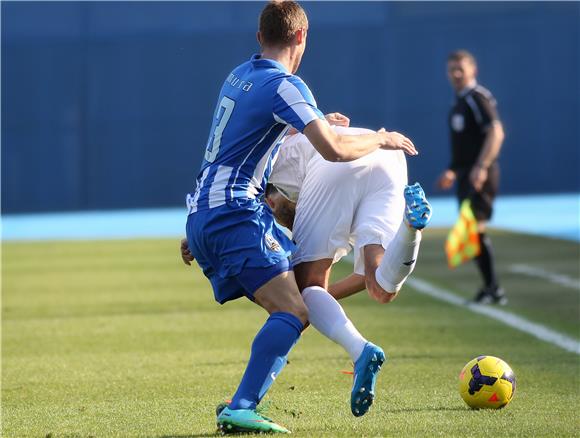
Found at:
[269, 350]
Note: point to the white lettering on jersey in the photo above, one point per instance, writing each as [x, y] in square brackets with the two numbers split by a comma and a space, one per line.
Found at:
[236, 82]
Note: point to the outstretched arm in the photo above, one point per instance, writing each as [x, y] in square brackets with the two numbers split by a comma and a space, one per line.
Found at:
[336, 147]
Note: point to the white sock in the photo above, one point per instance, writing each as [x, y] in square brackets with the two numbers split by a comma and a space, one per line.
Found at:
[328, 317]
[400, 259]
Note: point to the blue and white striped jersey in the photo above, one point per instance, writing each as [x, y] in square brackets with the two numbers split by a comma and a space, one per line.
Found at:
[258, 102]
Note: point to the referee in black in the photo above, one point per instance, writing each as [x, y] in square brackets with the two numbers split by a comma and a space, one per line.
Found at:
[476, 139]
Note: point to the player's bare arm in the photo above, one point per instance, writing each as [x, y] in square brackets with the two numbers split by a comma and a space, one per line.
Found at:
[347, 286]
[491, 147]
[336, 147]
[354, 284]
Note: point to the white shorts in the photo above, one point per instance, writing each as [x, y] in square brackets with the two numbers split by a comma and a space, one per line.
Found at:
[349, 205]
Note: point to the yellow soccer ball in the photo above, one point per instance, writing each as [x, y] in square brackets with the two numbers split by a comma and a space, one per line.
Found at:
[487, 382]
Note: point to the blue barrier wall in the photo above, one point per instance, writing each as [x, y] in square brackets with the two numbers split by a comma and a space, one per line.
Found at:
[108, 104]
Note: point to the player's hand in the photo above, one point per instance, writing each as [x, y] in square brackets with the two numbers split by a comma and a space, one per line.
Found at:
[396, 140]
[337, 119]
[446, 180]
[477, 177]
[186, 255]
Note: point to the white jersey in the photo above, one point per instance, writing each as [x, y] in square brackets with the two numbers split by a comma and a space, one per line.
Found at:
[341, 205]
[289, 168]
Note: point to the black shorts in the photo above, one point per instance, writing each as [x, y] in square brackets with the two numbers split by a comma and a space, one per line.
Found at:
[481, 202]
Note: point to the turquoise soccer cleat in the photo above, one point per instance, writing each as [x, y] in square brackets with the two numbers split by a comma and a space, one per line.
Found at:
[417, 209]
[245, 421]
[366, 369]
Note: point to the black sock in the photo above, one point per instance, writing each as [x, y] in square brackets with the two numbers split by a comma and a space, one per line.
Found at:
[485, 262]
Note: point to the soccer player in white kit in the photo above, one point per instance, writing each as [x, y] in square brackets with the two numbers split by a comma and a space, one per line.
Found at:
[364, 204]
[331, 207]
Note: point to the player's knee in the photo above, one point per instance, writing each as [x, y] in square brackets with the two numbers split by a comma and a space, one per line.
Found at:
[380, 295]
[387, 297]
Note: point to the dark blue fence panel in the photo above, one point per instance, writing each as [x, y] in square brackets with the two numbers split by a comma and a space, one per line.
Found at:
[107, 104]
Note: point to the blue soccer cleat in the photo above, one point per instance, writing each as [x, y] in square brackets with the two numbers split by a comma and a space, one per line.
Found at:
[245, 421]
[366, 369]
[417, 209]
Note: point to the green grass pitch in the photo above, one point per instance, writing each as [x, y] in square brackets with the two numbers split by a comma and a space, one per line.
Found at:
[120, 339]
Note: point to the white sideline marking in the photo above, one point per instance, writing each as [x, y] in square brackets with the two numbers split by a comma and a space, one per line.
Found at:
[537, 330]
[562, 280]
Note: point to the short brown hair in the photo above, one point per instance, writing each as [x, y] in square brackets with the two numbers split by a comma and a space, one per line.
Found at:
[459, 55]
[280, 20]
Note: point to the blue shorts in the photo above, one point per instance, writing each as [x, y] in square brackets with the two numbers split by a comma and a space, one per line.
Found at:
[246, 282]
[239, 247]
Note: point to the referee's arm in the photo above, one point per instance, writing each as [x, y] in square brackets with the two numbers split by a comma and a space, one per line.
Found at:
[492, 143]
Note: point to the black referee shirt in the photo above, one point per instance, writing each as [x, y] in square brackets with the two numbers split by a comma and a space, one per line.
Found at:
[469, 120]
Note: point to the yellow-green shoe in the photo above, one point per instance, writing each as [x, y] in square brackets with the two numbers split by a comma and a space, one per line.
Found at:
[246, 420]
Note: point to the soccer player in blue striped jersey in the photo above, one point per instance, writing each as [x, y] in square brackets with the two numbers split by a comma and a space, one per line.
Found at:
[232, 233]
